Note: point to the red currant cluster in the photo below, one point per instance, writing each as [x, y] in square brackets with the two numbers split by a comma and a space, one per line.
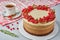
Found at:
[50, 17]
[13, 28]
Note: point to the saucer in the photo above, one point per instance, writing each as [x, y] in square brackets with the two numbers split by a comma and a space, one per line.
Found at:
[32, 37]
[18, 13]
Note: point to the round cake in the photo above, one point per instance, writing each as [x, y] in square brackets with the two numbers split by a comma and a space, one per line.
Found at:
[38, 20]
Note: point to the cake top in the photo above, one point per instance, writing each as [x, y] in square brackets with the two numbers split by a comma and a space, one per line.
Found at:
[38, 14]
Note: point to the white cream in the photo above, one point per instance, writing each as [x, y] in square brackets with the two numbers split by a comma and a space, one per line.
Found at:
[36, 14]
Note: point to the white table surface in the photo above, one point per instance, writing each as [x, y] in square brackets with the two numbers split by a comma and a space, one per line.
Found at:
[21, 37]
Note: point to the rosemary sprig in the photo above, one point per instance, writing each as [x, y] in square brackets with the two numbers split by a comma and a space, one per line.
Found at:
[9, 33]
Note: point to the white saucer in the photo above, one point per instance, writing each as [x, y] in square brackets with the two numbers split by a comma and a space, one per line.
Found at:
[32, 37]
[17, 15]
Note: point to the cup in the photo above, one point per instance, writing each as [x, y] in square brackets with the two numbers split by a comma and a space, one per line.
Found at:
[10, 9]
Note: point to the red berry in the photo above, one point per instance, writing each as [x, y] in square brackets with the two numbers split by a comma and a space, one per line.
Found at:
[30, 17]
[40, 20]
[12, 24]
[24, 10]
[50, 19]
[17, 28]
[52, 15]
[17, 22]
[10, 17]
[49, 13]
[43, 20]
[8, 27]
[39, 7]
[36, 21]
[13, 28]
[30, 8]
[26, 16]
[32, 20]
[44, 8]
[46, 18]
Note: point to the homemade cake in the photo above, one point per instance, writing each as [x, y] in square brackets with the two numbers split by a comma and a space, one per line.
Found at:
[38, 20]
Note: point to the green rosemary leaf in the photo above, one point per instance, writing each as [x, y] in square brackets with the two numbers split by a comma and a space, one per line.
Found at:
[9, 33]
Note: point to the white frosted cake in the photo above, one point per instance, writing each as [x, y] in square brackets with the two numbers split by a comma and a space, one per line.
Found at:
[38, 20]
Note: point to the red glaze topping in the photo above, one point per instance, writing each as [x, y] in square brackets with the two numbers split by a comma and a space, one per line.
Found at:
[50, 17]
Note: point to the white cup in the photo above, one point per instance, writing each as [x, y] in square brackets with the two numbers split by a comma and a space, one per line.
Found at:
[10, 9]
